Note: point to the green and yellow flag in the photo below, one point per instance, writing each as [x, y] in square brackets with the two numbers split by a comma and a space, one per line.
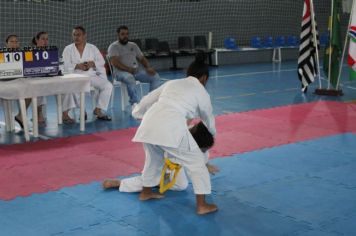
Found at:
[335, 46]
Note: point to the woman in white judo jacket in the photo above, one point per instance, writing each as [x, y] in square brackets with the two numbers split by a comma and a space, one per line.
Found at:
[164, 113]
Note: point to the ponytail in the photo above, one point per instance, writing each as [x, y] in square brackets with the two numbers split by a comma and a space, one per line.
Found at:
[198, 67]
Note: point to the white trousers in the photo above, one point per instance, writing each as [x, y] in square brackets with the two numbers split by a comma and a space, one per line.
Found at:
[193, 161]
[134, 184]
[41, 101]
[104, 86]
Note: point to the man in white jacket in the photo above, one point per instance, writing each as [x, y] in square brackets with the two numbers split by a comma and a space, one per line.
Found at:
[164, 114]
[85, 58]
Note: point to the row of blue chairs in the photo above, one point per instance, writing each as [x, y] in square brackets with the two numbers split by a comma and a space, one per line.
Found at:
[270, 42]
[266, 42]
[282, 41]
[279, 41]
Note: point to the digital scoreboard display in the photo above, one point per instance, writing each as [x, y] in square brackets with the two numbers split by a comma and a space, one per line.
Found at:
[41, 61]
[28, 62]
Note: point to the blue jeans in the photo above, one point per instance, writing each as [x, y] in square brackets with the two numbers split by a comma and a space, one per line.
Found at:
[130, 81]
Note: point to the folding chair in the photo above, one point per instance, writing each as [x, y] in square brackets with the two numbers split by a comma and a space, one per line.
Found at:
[163, 49]
[151, 46]
[200, 43]
[123, 87]
[185, 44]
[137, 42]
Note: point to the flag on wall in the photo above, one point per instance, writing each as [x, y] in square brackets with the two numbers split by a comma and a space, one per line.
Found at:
[307, 66]
[334, 48]
[346, 6]
[352, 50]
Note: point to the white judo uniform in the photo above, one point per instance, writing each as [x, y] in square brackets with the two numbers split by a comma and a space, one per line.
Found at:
[98, 78]
[164, 113]
[134, 184]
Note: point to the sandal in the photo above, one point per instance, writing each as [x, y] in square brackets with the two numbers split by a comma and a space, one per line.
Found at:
[19, 122]
[102, 116]
[68, 121]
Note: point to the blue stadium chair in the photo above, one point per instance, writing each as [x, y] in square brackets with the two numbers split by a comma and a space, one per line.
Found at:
[292, 41]
[280, 41]
[268, 42]
[256, 42]
[230, 43]
[324, 39]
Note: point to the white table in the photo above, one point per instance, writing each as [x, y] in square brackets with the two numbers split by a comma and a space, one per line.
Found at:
[19, 89]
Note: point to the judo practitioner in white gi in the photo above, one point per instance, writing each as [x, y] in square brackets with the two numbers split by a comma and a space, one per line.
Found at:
[134, 184]
[85, 58]
[164, 114]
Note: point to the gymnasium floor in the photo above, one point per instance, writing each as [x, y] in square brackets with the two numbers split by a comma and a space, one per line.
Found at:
[287, 166]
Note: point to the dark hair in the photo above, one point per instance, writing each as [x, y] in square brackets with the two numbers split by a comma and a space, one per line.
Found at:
[202, 136]
[79, 27]
[37, 37]
[198, 68]
[10, 36]
[122, 27]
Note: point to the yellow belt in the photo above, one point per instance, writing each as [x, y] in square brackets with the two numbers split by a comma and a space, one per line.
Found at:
[173, 167]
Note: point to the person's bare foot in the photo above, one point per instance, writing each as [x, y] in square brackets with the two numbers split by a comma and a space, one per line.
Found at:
[206, 209]
[151, 195]
[111, 183]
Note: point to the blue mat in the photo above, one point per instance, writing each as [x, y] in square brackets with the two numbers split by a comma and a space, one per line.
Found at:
[296, 189]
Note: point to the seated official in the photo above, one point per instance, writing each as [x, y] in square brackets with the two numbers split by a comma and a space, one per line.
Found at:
[124, 56]
[39, 40]
[12, 41]
[85, 58]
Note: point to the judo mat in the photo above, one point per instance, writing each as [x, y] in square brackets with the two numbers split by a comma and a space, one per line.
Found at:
[284, 171]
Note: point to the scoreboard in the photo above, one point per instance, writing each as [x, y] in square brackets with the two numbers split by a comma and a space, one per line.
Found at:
[11, 63]
[29, 62]
[40, 61]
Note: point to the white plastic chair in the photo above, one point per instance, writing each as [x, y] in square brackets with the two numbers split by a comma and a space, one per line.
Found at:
[7, 109]
[94, 95]
[124, 94]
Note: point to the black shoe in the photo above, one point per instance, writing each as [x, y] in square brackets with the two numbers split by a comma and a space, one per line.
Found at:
[19, 122]
[103, 117]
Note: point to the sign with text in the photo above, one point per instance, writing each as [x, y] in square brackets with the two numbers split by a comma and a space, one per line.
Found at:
[40, 61]
[11, 63]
